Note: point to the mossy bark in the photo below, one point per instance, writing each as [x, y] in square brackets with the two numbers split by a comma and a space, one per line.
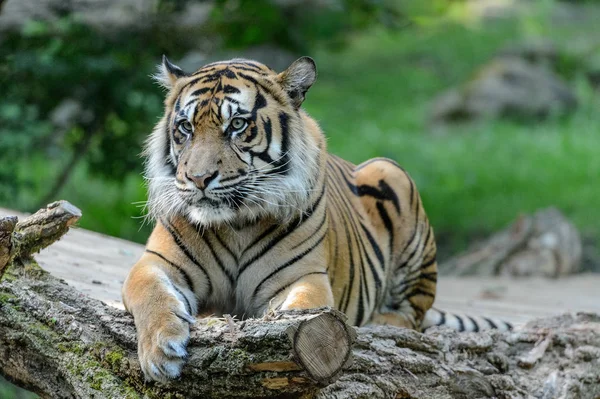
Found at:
[58, 342]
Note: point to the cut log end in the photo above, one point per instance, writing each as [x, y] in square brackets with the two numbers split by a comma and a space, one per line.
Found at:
[70, 212]
[323, 345]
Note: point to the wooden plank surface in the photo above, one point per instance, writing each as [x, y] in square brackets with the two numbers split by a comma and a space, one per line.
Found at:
[519, 300]
[97, 265]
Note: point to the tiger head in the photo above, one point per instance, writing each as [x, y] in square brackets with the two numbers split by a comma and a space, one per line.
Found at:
[234, 144]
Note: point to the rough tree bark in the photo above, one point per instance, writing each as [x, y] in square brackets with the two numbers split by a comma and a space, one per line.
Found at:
[60, 343]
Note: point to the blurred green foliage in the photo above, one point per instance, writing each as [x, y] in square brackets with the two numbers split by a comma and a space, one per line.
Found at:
[381, 62]
[9, 391]
[108, 80]
[45, 64]
[299, 25]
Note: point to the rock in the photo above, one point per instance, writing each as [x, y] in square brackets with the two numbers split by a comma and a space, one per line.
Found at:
[582, 57]
[494, 9]
[554, 248]
[592, 68]
[105, 14]
[540, 52]
[543, 244]
[66, 113]
[194, 15]
[505, 87]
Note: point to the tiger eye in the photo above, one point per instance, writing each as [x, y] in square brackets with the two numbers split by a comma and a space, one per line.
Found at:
[238, 123]
[187, 126]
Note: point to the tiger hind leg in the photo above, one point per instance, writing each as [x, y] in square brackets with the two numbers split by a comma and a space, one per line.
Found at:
[411, 274]
[408, 298]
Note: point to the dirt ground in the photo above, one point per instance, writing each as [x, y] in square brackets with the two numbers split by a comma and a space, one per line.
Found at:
[97, 265]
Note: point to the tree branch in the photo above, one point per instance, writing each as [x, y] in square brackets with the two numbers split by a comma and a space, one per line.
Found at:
[21, 239]
[60, 343]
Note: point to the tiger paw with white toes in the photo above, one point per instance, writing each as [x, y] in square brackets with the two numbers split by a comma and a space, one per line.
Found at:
[162, 312]
[162, 350]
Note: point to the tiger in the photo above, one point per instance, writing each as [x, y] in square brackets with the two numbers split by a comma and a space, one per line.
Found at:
[253, 215]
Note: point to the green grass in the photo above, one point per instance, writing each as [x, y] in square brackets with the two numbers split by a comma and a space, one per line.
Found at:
[372, 100]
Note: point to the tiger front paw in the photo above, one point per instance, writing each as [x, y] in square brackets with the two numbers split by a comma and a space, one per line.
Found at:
[162, 345]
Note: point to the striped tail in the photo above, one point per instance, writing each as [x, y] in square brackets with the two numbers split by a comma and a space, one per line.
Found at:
[436, 317]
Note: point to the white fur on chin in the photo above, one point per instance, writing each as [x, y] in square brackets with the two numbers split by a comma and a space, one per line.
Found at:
[208, 216]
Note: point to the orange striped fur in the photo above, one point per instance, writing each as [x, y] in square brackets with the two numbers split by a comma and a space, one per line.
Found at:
[252, 214]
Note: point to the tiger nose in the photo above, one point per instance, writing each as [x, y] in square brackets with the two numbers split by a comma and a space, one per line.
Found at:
[202, 180]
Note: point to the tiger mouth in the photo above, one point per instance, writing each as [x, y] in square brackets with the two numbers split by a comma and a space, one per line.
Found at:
[194, 201]
[233, 200]
[205, 201]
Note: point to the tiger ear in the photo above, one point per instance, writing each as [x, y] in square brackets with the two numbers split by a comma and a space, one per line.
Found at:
[168, 73]
[297, 79]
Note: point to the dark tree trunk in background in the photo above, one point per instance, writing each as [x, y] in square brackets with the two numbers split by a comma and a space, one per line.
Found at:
[79, 153]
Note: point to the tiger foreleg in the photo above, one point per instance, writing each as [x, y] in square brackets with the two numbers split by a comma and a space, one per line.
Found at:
[394, 319]
[163, 308]
[309, 292]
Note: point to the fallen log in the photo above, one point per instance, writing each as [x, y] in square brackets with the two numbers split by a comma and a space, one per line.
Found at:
[60, 343]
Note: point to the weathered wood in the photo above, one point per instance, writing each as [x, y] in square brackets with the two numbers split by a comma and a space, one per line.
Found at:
[21, 239]
[7, 227]
[44, 227]
[60, 343]
[542, 244]
[322, 345]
